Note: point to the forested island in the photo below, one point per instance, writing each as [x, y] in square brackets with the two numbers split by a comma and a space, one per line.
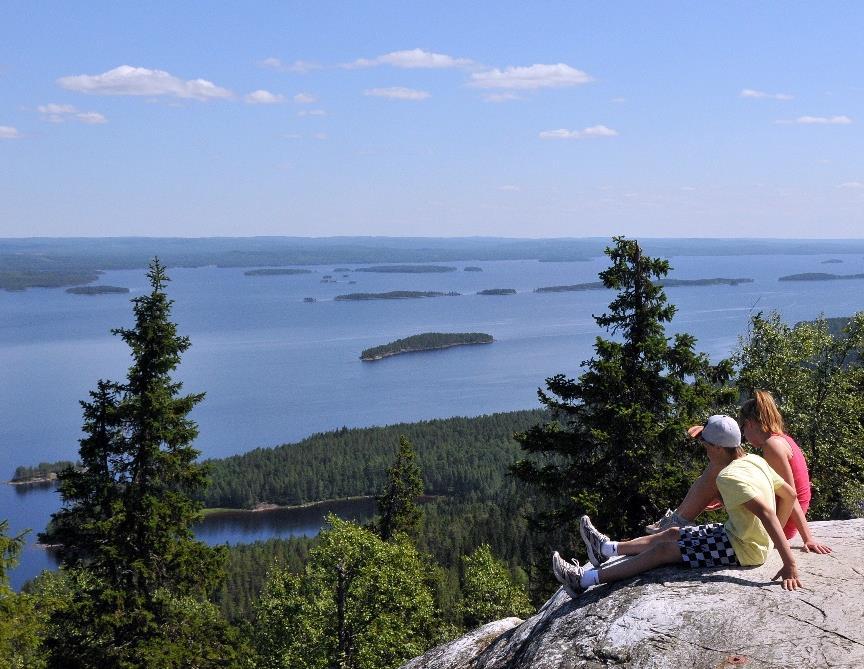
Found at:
[394, 295]
[497, 291]
[832, 261]
[426, 341]
[819, 276]
[408, 269]
[97, 290]
[673, 283]
[666, 283]
[473, 268]
[44, 472]
[592, 285]
[277, 271]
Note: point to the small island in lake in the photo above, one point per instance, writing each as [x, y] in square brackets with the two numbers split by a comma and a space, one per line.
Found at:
[819, 276]
[277, 271]
[497, 291]
[832, 261]
[472, 268]
[44, 472]
[342, 269]
[96, 290]
[593, 285]
[671, 283]
[394, 295]
[309, 299]
[407, 269]
[427, 341]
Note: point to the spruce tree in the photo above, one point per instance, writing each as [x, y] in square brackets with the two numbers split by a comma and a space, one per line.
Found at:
[615, 447]
[128, 513]
[397, 504]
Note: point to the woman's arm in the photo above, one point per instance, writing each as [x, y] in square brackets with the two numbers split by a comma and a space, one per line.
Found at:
[776, 453]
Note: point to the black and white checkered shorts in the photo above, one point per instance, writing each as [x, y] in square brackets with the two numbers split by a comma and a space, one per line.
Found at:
[706, 546]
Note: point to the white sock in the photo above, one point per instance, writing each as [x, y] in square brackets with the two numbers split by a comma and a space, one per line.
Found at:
[589, 577]
[609, 549]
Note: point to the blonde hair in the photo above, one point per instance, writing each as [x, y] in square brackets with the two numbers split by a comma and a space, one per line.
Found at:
[762, 408]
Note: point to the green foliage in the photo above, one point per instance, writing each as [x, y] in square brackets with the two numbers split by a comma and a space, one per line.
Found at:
[463, 457]
[488, 590]
[360, 603]
[20, 617]
[815, 374]
[125, 526]
[616, 447]
[397, 503]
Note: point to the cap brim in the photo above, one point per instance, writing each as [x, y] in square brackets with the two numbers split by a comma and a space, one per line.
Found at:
[695, 431]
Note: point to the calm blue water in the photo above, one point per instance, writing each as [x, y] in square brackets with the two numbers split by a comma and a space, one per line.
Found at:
[276, 369]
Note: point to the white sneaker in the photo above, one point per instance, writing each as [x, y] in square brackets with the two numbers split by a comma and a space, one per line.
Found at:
[594, 541]
[670, 519]
[568, 575]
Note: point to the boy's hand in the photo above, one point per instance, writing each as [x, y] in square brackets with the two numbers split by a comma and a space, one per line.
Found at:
[814, 546]
[789, 575]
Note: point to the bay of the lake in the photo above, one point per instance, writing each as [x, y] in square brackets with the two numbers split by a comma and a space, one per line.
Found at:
[276, 369]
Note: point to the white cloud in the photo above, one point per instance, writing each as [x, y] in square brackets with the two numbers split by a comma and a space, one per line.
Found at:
[531, 77]
[817, 120]
[412, 59]
[761, 95]
[585, 133]
[126, 80]
[397, 93]
[8, 132]
[509, 188]
[54, 113]
[618, 100]
[292, 135]
[311, 112]
[305, 99]
[91, 118]
[852, 185]
[320, 135]
[298, 66]
[262, 97]
[500, 97]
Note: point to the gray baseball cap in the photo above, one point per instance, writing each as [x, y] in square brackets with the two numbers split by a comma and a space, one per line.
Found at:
[719, 431]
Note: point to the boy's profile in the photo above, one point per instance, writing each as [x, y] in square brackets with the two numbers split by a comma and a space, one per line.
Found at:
[758, 501]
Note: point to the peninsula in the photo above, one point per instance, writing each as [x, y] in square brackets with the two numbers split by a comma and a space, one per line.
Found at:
[497, 291]
[819, 276]
[394, 295]
[96, 290]
[407, 269]
[426, 341]
[277, 271]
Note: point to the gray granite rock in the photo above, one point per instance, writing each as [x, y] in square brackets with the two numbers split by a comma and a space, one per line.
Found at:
[673, 618]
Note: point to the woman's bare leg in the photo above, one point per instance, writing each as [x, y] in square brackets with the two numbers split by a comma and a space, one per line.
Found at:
[701, 494]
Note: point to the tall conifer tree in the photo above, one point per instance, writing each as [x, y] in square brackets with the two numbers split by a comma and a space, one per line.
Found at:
[397, 504]
[128, 514]
[616, 448]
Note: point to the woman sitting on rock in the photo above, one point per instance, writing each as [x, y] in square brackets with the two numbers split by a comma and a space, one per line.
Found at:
[758, 501]
[763, 427]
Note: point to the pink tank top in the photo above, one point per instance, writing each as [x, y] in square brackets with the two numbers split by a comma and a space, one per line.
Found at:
[802, 482]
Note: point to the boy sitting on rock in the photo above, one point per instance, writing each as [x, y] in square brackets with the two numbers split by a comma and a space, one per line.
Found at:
[749, 488]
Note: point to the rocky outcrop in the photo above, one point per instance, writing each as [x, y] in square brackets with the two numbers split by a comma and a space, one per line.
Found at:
[673, 618]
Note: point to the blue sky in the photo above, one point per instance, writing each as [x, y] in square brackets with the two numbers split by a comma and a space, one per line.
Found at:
[537, 119]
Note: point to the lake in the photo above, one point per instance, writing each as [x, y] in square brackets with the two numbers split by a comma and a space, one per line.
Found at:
[276, 369]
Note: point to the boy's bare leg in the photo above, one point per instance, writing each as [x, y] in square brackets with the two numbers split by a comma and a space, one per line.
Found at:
[701, 494]
[658, 553]
[643, 544]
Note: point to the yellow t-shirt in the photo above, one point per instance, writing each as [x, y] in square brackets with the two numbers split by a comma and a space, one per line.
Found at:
[739, 482]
